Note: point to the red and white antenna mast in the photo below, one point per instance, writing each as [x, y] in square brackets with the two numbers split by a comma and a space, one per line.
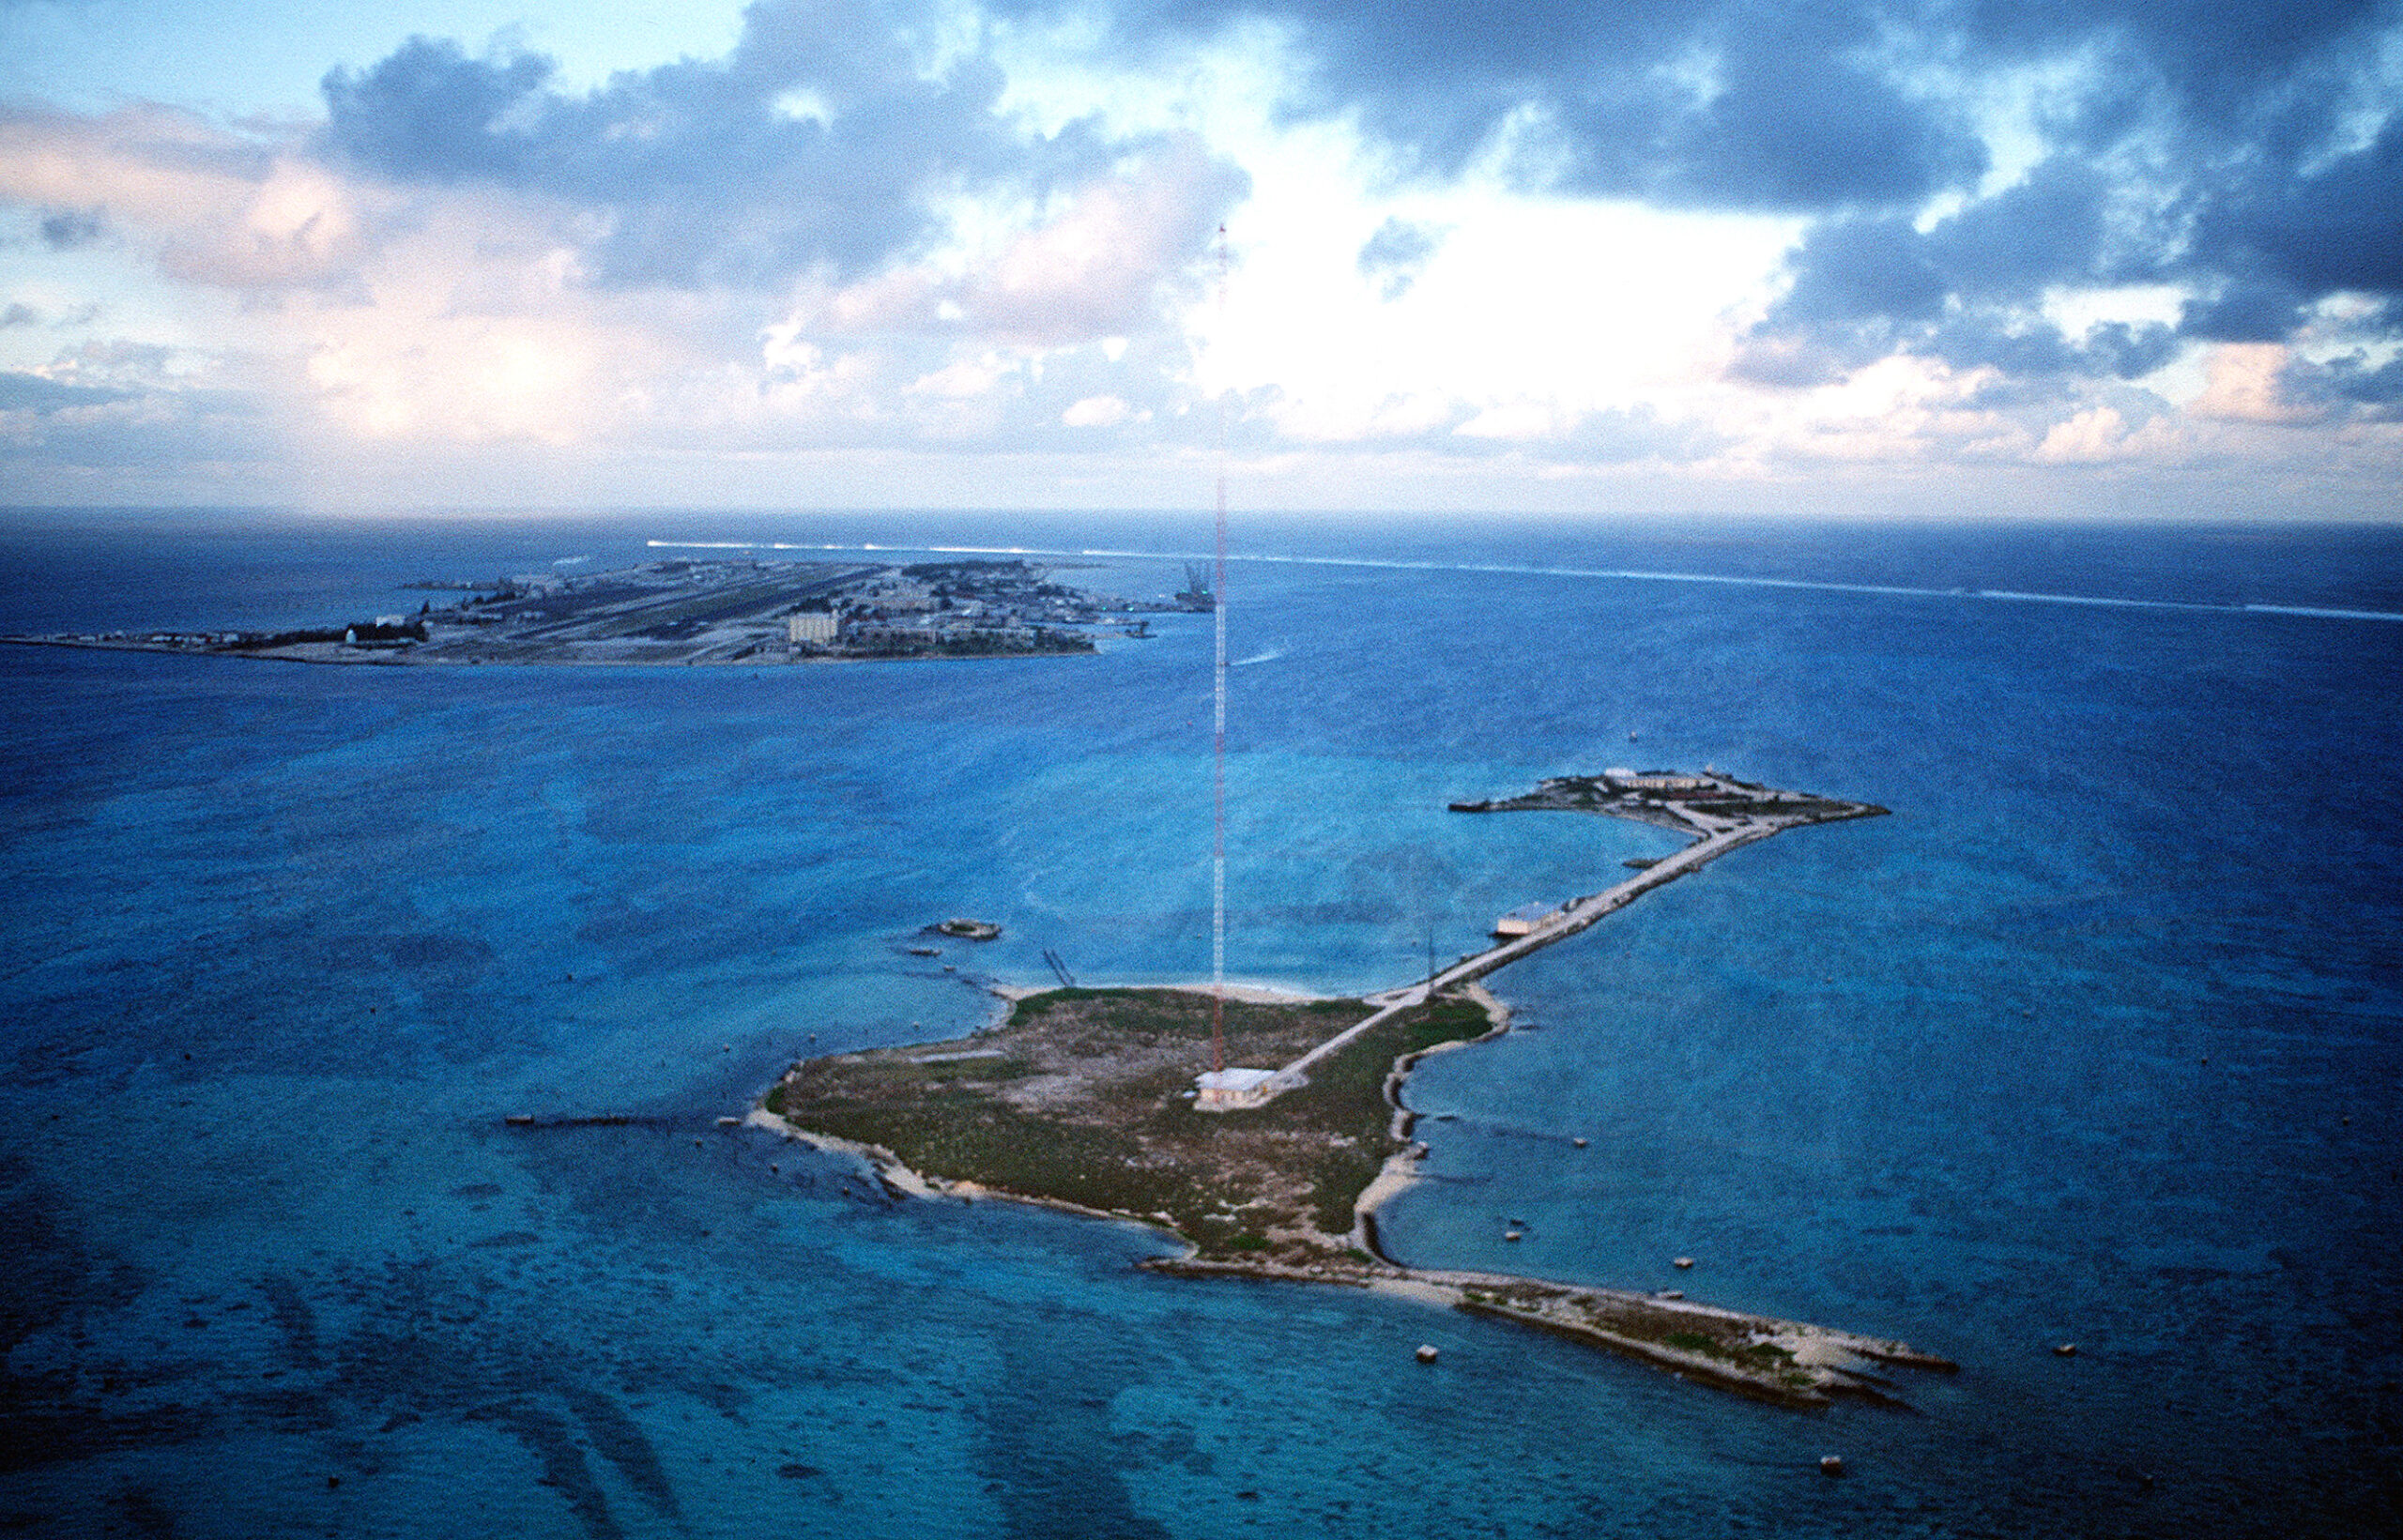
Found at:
[1219, 726]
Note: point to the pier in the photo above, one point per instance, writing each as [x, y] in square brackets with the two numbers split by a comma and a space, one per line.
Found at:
[1076, 1103]
[1574, 917]
[1721, 811]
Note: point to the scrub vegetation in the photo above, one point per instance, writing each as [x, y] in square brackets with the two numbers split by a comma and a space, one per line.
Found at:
[1083, 1096]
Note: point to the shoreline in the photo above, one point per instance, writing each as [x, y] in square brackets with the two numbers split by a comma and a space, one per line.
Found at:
[1795, 1365]
[403, 660]
[1791, 1364]
[1798, 1365]
[689, 612]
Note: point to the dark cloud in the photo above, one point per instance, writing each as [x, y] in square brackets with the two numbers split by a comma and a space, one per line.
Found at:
[2116, 348]
[430, 112]
[2017, 346]
[2380, 387]
[2350, 382]
[818, 140]
[1799, 353]
[2317, 229]
[1392, 257]
[2057, 226]
[2218, 65]
[2215, 144]
[23, 392]
[1864, 269]
[19, 316]
[68, 228]
[2242, 313]
[1794, 123]
[1729, 104]
[1775, 101]
[2257, 242]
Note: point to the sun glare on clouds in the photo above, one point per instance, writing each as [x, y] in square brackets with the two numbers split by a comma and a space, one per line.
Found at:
[988, 233]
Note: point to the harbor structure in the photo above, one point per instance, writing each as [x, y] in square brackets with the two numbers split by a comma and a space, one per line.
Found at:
[1223, 1091]
[1526, 917]
[1628, 779]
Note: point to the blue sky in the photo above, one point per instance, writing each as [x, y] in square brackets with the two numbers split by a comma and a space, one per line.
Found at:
[1916, 257]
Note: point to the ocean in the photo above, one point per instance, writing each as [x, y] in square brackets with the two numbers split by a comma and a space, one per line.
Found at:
[2097, 1039]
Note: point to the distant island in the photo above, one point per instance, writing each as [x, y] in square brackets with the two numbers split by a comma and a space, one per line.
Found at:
[702, 612]
[1090, 1099]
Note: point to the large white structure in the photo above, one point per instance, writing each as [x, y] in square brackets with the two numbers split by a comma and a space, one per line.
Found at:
[1526, 917]
[810, 626]
[1221, 1090]
[1619, 778]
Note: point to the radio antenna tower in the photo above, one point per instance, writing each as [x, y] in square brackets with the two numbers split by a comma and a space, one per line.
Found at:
[1219, 728]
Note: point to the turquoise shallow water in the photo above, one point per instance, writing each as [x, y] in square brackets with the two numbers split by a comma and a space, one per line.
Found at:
[2096, 1039]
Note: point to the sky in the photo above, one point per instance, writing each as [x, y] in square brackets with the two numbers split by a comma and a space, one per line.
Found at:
[1920, 258]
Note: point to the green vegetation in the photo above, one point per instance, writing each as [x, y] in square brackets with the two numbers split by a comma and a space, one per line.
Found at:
[1752, 1355]
[1085, 1096]
[1089, 1105]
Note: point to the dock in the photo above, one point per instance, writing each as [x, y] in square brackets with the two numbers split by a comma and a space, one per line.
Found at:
[1722, 812]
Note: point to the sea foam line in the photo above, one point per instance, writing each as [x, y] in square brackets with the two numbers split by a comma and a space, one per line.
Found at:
[1623, 573]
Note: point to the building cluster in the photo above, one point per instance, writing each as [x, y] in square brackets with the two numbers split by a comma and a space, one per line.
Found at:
[1656, 782]
[963, 606]
[688, 611]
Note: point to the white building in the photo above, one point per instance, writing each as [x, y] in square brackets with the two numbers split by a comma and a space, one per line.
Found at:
[1222, 1090]
[810, 626]
[1524, 919]
[1628, 779]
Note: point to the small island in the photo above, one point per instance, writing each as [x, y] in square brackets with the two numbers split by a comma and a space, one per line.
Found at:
[683, 612]
[1090, 1099]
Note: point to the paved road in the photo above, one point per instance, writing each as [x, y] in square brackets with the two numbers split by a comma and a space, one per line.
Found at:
[1574, 917]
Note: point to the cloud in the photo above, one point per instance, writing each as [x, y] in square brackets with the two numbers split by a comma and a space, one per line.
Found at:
[1097, 412]
[210, 204]
[64, 232]
[24, 392]
[2115, 236]
[1108, 259]
[1392, 257]
[119, 415]
[2286, 234]
[824, 139]
[466, 253]
[1725, 105]
[2352, 378]
[2246, 382]
[1097, 270]
[1958, 158]
[2101, 436]
[2130, 352]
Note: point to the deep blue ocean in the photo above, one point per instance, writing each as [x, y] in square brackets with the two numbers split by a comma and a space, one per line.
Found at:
[2099, 1038]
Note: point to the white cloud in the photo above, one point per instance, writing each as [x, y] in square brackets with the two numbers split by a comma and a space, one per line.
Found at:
[2244, 382]
[1097, 412]
[1523, 419]
[1073, 319]
[2089, 437]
